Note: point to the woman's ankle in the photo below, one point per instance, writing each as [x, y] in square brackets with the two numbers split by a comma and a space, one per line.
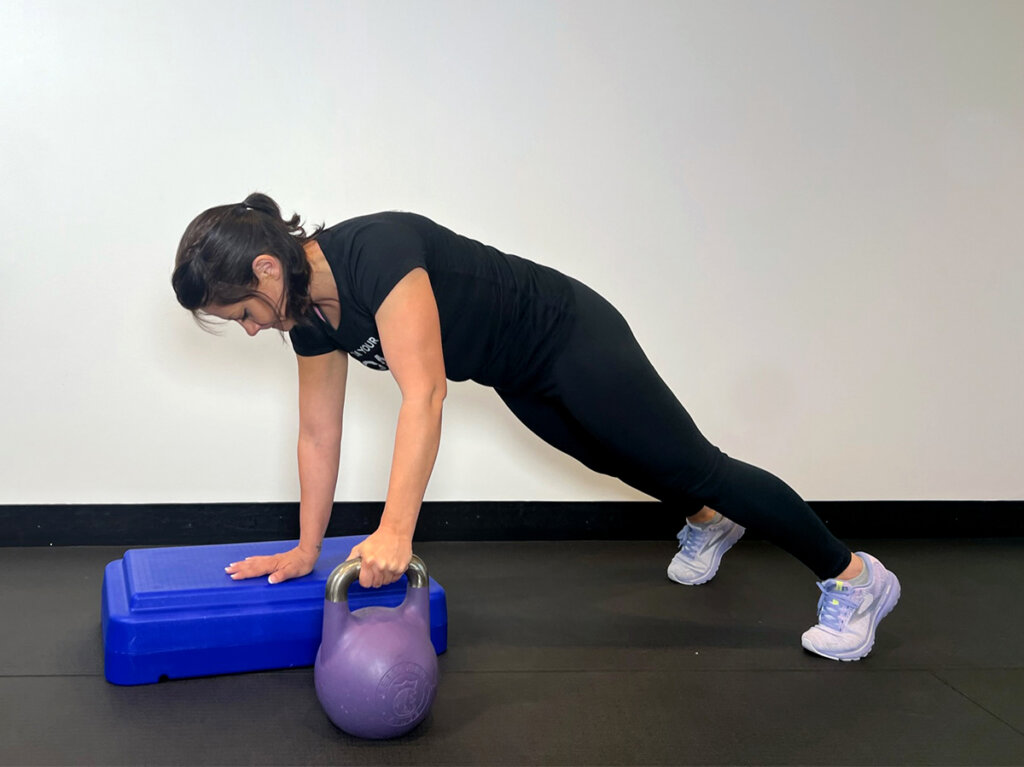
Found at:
[855, 568]
[703, 516]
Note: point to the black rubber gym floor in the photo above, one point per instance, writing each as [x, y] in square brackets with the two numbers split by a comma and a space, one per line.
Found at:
[573, 653]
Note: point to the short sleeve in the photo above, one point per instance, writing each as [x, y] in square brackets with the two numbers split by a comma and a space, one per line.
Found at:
[310, 341]
[382, 254]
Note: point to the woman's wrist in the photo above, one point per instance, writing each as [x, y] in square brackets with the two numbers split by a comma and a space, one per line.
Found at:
[310, 549]
[398, 523]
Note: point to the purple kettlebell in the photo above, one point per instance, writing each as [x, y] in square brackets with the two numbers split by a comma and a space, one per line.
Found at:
[376, 669]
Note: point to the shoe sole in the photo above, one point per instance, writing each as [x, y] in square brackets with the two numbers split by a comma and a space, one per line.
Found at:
[892, 598]
[730, 541]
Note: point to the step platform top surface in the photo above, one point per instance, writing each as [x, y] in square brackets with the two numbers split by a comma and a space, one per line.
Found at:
[183, 577]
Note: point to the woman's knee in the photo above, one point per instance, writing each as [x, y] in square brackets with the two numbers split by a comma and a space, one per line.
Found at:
[703, 481]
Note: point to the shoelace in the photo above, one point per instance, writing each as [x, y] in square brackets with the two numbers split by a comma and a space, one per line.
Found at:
[691, 540]
[835, 605]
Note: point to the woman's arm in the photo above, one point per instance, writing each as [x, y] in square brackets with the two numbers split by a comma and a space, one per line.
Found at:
[410, 335]
[321, 404]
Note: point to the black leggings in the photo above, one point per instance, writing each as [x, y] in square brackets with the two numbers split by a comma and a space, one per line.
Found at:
[601, 401]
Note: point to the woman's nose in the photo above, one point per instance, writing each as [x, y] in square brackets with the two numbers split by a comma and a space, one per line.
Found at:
[251, 327]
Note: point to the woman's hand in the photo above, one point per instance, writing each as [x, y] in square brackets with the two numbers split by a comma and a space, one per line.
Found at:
[281, 567]
[385, 558]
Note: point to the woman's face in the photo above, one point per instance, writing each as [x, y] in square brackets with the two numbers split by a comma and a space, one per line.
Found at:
[256, 313]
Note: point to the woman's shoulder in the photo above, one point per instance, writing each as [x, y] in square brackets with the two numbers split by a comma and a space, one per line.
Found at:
[384, 230]
[376, 238]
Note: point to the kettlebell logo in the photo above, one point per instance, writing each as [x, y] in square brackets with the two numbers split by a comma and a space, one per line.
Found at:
[405, 693]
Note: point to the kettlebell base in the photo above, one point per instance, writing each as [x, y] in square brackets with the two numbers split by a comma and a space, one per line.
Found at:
[379, 730]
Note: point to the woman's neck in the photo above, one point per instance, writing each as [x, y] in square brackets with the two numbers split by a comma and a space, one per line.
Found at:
[322, 287]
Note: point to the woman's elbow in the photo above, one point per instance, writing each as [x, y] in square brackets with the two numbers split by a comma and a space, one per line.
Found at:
[438, 393]
[428, 397]
[319, 437]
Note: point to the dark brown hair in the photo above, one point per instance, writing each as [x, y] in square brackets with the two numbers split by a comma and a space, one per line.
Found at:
[214, 260]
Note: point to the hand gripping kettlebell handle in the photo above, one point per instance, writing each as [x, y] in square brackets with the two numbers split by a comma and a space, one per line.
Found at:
[347, 573]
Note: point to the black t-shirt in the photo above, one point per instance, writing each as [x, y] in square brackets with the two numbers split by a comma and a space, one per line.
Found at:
[502, 317]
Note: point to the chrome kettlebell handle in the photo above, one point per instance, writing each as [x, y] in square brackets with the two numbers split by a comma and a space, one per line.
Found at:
[347, 573]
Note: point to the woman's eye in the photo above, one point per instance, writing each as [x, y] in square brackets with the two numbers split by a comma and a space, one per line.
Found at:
[245, 315]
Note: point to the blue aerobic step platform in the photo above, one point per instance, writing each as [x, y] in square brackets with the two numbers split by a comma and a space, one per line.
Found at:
[175, 613]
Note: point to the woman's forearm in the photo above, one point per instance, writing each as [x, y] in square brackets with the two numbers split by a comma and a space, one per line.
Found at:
[416, 443]
[318, 478]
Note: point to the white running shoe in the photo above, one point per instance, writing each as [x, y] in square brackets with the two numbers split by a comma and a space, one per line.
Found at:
[848, 615]
[701, 549]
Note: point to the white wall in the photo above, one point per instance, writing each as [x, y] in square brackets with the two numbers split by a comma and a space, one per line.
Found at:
[810, 212]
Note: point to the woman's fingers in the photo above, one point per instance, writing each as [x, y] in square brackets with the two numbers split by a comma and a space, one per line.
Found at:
[287, 570]
[280, 567]
[373, 573]
[384, 559]
[252, 567]
[369, 578]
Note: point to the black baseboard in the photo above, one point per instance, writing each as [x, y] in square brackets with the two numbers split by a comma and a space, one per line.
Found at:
[194, 524]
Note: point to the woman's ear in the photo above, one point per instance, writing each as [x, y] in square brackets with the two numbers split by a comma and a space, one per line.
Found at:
[266, 266]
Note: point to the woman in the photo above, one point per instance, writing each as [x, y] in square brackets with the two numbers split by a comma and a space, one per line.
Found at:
[399, 293]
